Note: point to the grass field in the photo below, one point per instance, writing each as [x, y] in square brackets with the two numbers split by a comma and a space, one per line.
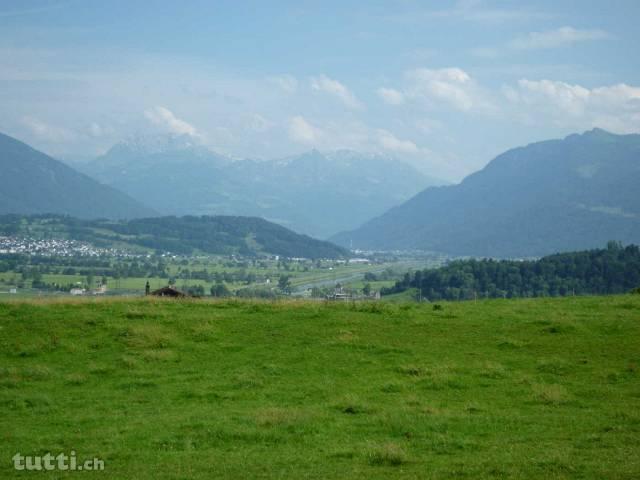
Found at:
[531, 389]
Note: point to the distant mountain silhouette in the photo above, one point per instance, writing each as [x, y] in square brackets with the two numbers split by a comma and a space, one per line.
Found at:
[557, 195]
[314, 193]
[33, 182]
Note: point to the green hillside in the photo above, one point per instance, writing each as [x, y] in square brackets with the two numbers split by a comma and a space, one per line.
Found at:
[544, 388]
[179, 235]
[32, 182]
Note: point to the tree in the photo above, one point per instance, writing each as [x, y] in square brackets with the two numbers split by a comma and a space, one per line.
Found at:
[196, 290]
[614, 269]
[220, 290]
[284, 283]
[366, 290]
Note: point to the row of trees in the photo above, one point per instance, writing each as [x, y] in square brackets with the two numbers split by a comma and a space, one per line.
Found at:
[220, 290]
[79, 265]
[615, 269]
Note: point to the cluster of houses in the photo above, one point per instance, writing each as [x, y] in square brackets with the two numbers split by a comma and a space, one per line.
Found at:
[342, 295]
[77, 291]
[54, 247]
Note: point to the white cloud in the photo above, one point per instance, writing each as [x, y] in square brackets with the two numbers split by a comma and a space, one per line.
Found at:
[354, 135]
[390, 142]
[423, 158]
[301, 131]
[615, 107]
[560, 37]
[452, 86]
[566, 97]
[444, 87]
[556, 38]
[165, 118]
[47, 132]
[337, 89]
[390, 96]
[447, 85]
[285, 82]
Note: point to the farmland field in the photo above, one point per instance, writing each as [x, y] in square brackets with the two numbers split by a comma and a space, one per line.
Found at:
[190, 272]
[535, 388]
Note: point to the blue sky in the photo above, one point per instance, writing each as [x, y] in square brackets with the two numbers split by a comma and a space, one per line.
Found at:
[444, 86]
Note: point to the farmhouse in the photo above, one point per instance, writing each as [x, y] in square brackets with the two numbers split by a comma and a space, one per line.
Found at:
[169, 291]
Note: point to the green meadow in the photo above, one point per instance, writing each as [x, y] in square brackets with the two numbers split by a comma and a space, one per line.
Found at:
[161, 389]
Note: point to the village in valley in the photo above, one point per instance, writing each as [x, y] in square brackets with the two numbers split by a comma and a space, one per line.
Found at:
[61, 267]
[55, 247]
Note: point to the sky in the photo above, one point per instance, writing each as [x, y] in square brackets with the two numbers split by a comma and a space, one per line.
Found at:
[443, 85]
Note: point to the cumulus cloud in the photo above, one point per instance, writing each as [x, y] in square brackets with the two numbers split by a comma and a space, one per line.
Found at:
[390, 142]
[616, 107]
[423, 158]
[390, 96]
[164, 118]
[336, 89]
[352, 135]
[287, 83]
[556, 38]
[566, 97]
[450, 86]
[301, 131]
[48, 132]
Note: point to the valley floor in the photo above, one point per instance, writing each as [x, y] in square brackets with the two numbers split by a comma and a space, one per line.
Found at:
[543, 388]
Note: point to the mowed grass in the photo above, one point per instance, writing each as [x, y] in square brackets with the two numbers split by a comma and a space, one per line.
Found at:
[545, 388]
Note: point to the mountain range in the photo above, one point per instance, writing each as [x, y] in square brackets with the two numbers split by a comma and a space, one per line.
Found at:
[32, 182]
[551, 196]
[558, 195]
[315, 193]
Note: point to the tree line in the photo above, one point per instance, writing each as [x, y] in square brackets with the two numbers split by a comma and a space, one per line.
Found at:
[614, 269]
